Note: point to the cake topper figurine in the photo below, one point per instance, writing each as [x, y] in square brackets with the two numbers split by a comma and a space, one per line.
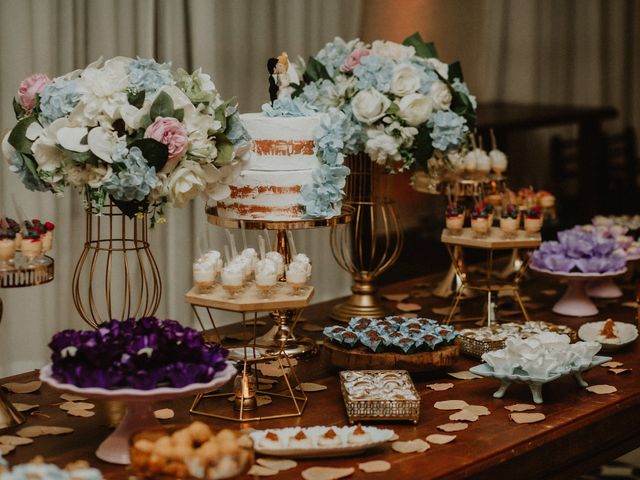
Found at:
[282, 75]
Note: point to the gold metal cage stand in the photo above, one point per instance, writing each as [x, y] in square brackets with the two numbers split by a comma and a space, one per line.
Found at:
[18, 277]
[371, 243]
[116, 275]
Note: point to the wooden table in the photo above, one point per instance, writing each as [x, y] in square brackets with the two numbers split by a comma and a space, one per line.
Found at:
[505, 117]
[582, 430]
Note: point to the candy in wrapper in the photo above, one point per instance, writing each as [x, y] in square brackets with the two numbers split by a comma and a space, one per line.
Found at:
[428, 341]
[331, 332]
[447, 333]
[347, 339]
[372, 339]
[406, 344]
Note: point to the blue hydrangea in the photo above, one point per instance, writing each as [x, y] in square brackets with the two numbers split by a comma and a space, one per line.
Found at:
[17, 165]
[322, 197]
[374, 72]
[333, 54]
[57, 100]
[133, 178]
[287, 107]
[236, 132]
[338, 133]
[461, 87]
[426, 74]
[149, 75]
[447, 129]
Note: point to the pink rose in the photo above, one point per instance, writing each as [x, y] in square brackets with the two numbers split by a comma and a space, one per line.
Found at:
[170, 132]
[29, 88]
[353, 60]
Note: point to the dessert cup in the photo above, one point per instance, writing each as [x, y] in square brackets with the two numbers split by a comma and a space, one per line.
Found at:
[7, 252]
[455, 223]
[480, 226]
[47, 242]
[204, 276]
[31, 248]
[509, 226]
[232, 281]
[532, 225]
[296, 279]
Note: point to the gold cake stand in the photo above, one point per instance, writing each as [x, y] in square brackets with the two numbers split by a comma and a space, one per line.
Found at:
[491, 283]
[281, 335]
[250, 302]
[18, 277]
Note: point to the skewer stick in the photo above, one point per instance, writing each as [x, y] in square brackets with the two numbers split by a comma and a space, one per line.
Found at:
[227, 254]
[292, 243]
[494, 145]
[232, 242]
[262, 247]
[244, 234]
[266, 235]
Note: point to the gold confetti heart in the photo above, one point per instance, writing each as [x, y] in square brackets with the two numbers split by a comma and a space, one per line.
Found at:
[396, 297]
[14, 441]
[450, 405]
[409, 307]
[164, 414]
[278, 464]
[326, 473]
[602, 389]
[464, 416]
[527, 417]
[375, 466]
[70, 397]
[520, 407]
[612, 364]
[439, 439]
[618, 371]
[81, 413]
[260, 471]
[453, 427]
[28, 387]
[77, 406]
[311, 387]
[438, 387]
[464, 375]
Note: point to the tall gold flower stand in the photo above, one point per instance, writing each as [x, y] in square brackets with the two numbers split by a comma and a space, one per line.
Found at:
[18, 276]
[282, 334]
[243, 405]
[490, 283]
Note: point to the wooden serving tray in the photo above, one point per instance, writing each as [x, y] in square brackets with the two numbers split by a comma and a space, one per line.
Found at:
[361, 359]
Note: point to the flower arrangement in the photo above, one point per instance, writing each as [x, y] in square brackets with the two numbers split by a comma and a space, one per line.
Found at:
[582, 251]
[395, 102]
[142, 354]
[130, 129]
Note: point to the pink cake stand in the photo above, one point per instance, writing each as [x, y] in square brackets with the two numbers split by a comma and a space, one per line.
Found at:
[606, 287]
[575, 302]
[139, 407]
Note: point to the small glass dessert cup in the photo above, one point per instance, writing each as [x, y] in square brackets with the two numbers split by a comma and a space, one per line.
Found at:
[204, 276]
[232, 280]
[533, 221]
[266, 277]
[480, 224]
[510, 221]
[297, 277]
[7, 251]
[31, 248]
[454, 219]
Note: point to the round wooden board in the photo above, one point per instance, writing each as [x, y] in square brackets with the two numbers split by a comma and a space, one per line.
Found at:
[357, 359]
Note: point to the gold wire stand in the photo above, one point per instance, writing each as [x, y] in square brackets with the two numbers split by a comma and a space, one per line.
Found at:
[254, 353]
[116, 275]
[281, 334]
[28, 276]
[491, 284]
[373, 241]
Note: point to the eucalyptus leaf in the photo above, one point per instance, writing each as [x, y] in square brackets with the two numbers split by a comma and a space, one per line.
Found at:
[225, 150]
[17, 109]
[136, 98]
[423, 49]
[154, 152]
[145, 121]
[315, 71]
[18, 136]
[162, 106]
[461, 104]
[80, 157]
[393, 109]
[178, 114]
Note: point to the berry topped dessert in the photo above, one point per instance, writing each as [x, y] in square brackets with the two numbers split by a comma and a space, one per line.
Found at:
[509, 220]
[533, 220]
[480, 220]
[454, 215]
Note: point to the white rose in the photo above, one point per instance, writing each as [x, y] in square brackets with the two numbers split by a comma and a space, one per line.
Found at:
[405, 80]
[392, 50]
[440, 67]
[369, 105]
[103, 92]
[45, 150]
[188, 180]
[415, 109]
[440, 95]
[382, 147]
[98, 174]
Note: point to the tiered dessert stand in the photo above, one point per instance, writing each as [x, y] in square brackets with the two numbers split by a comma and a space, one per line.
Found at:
[491, 283]
[285, 307]
[21, 274]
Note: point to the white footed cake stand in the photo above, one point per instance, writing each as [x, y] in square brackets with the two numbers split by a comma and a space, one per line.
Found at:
[606, 287]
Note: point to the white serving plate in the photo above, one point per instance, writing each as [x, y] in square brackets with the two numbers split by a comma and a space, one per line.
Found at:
[627, 332]
[378, 437]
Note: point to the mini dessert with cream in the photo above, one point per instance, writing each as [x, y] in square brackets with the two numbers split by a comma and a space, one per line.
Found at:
[232, 277]
[609, 332]
[7, 247]
[278, 260]
[454, 217]
[480, 221]
[509, 220]
[204, 275]
[533, 220]
[266, 276]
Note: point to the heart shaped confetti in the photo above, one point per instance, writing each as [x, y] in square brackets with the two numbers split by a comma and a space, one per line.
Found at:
[612, 364]
[602, 389]
[412, 446]
[164, 414]
[520, 407]
[28, 387]
[464, 416]
[6, 449]
[618, 371]
[76, 406]
[277, 463]
[81, 413]
[375, 466]
[260, 471]
[479, 410]
[527, 417]
[438, 387]
[464, 375]
[409, 307]
[311, 387]
[326, 473]
[450, 405]
[70, 397]
[24, 407]
[440, 439]
[15, 441]
[453, 427]
[35, 431]
[396, 297]
[262, 400]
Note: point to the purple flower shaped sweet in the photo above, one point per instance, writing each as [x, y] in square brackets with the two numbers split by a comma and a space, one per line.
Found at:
[142, 354]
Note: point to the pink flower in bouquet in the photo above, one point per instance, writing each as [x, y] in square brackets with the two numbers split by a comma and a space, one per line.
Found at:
[29, 88]
[171, 133]
[353, 60]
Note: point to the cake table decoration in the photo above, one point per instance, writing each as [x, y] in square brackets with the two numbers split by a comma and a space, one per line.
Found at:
[139, 363]
[578, 256]
[134, 137]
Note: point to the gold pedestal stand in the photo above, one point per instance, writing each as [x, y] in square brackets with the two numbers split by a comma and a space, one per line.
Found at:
[282, 336]
[282, 303]
[372, 243]
[18, 277]
[490, 284]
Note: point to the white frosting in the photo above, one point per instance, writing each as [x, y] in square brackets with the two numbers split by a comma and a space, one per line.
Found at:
[266, 272]
[297, 272]
[263, 127]
[498, 161]
[278, 260]
[233, 275]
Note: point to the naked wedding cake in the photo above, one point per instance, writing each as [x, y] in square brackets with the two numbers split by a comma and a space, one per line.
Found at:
[283, 158]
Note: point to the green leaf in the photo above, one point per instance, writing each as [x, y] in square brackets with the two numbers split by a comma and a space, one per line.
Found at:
[17, 109]
[315, 71]
[145, 121]
[136, 98]
[423, 49]
[225, 150]
[80, 157]
[178, 114]
[461, 104]
[154, 152]
[423, 148]
[162, 106]
[130, 208]
[30, 163]
[393, 109]
[455, 71]
[18, 136]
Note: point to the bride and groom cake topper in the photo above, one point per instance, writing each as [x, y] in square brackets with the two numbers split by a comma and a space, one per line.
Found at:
[282, 75]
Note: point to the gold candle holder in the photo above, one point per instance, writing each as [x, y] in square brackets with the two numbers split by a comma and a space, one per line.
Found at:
[372, 242]
[245, 387]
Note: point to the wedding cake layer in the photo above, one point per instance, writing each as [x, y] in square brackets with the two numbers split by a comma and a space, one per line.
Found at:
[283, 158]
